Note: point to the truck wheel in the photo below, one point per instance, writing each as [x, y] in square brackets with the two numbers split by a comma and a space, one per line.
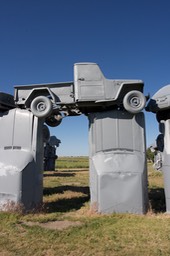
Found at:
[54, 120]
[41, 107]
[134, 102]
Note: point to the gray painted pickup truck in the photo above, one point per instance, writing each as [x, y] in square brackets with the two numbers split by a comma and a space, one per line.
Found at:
[90, 91]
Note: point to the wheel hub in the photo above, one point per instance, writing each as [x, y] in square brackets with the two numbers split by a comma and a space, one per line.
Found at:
[135, 102]
[41, 106]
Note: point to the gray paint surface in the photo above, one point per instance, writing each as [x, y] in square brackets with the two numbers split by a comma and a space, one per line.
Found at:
[160, 104]
[90, 91]
[21, 157]
[166, 163]
[118, 173]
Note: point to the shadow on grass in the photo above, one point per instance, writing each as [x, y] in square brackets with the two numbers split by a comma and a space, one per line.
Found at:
[157, 200]
[66, 204]
[62, 189]
[78, 169]
[59, 174]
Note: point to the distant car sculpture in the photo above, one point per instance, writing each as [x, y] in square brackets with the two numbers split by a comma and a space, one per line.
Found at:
[50, 156]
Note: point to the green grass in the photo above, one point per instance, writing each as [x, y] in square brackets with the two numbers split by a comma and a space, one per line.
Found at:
[72, 162]
[66, 198]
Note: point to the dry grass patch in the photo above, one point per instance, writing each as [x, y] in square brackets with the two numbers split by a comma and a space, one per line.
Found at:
[54, 225]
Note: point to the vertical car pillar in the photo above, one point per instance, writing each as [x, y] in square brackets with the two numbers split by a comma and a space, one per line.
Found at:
[21, 159]
[118, 173]
[159, 104]
[166, 163]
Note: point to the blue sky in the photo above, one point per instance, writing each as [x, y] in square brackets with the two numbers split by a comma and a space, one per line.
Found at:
[40, 40]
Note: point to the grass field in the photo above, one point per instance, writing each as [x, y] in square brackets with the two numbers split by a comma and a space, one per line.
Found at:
[72, 162]
[66, 226]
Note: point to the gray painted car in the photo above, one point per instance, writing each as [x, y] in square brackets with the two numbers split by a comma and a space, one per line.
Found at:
[90, 91]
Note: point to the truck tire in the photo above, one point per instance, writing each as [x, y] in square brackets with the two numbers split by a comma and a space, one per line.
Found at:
[54, 120]
[134, 102]
[41, 107]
